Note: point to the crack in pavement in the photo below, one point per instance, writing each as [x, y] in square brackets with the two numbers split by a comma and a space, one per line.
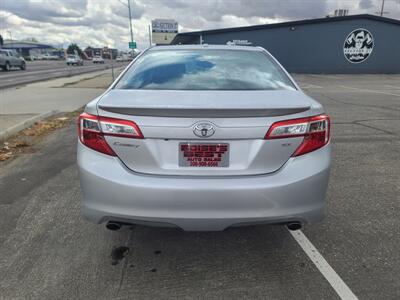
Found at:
[366, 120]
[126, 261]
[358, 122]
[376, 128]
[358, 104]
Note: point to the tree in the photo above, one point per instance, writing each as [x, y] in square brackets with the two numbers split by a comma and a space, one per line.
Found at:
[71, 49]
[1, 41]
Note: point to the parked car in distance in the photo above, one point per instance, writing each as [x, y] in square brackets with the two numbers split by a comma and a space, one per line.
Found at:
[123, 57]
[29, 57]
[204, 137]
[52, 57]
[9, 60]
[97, 59]
[73, 59]
[46, 56]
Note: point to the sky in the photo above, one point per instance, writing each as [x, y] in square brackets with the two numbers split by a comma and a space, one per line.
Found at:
[101, 23]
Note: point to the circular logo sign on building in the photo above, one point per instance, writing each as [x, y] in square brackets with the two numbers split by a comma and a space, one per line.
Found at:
[358, 45]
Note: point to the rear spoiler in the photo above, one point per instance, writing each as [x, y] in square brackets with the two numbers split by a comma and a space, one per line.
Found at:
[203, 113]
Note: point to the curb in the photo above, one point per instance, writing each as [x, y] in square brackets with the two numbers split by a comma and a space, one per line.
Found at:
[92, 76]
[25, 124]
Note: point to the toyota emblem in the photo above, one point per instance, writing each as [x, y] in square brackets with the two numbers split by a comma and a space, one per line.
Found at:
[203, 130]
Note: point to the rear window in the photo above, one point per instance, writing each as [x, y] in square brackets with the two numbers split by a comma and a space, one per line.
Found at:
[205, 70]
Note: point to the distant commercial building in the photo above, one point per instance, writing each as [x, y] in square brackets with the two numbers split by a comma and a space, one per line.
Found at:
[90, 51]
[345, 44]
[108, 52]
[104, 52]
[26, 48]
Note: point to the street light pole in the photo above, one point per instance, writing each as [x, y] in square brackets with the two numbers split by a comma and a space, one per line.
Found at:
[149, 36]
[9, 32]
[130, 19]
[382, 7]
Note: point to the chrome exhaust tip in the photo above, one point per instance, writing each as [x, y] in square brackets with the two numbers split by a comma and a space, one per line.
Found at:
[113, 226]
[293, 225]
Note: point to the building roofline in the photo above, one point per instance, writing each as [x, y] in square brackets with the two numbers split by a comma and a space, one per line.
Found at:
[13, 42]
[291, 23]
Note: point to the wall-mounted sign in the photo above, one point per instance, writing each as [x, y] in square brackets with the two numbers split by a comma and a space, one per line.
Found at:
[163, 31]
[358, 45]
[239, 42]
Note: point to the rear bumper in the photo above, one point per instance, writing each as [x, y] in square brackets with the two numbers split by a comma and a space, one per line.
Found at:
[294, 193]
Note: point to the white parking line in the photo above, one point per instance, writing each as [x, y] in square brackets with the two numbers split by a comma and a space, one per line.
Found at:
[370, 91]
[393, 86]
[322, 265]
[310, 86]
[324, 76]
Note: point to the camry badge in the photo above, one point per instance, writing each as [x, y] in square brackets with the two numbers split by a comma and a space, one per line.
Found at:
[203, 130]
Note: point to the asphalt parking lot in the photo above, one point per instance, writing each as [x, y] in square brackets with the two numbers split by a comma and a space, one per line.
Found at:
[47, 251]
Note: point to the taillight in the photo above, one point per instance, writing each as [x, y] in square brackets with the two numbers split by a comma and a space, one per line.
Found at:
[315, 130]
[92, 129]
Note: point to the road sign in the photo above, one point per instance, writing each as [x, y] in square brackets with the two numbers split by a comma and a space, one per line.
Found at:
[132, 45]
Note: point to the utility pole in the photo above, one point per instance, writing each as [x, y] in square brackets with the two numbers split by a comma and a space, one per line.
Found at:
[112, 65]
[382, 7]
[130, 19]
[149, 36]
[130, 15]
[11, 39]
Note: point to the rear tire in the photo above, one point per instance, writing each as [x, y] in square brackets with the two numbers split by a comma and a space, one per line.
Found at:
[23, 66]
[7, 67]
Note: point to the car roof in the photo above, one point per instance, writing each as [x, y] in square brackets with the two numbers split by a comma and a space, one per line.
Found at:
[206, 46]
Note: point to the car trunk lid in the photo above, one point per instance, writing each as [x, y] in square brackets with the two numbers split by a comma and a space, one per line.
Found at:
[170, 120]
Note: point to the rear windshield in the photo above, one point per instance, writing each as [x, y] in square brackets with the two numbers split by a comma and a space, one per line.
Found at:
[205, 70]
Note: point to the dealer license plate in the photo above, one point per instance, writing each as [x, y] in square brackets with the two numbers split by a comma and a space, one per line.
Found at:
[203, 155]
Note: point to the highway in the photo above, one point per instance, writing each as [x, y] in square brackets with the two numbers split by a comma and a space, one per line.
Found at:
[43, 70]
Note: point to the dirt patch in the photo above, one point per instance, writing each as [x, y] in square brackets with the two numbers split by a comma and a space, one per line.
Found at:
[25, 140]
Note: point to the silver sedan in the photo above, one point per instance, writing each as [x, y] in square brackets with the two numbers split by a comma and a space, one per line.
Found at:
[204, 137]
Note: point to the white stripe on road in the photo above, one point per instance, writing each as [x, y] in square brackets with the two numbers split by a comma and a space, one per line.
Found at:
[310, 86]
[322, 265]
[393, 86]
[324, 76]
[370, 91]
